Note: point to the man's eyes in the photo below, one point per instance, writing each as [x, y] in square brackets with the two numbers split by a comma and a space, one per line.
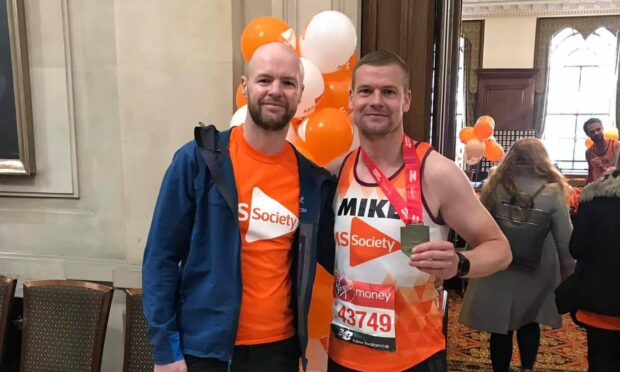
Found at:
[385, 92]
[286, 83]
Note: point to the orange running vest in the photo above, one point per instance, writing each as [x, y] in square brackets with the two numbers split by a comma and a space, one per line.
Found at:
[386, 314]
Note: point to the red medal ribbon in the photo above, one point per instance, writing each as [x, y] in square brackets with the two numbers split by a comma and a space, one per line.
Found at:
[410, 212]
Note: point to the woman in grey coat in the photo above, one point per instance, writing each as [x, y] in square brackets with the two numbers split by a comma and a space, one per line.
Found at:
[521, 297]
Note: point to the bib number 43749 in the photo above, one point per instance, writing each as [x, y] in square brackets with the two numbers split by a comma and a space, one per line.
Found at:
[373, 321]
[363, 314]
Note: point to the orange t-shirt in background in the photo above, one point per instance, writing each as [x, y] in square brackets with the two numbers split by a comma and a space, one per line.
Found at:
[268, 193]
[608, 322]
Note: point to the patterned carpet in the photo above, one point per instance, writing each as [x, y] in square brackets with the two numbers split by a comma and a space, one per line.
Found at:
[562, 349]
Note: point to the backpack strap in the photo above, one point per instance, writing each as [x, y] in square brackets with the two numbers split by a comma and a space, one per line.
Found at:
[530, 198]
[540, 189]
[206, 140]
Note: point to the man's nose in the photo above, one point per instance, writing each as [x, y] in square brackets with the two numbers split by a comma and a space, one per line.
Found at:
[375, 98]
[275, 89]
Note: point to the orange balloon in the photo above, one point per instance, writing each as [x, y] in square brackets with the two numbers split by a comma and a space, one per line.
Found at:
[346, 69]
[328, 134]
[264, 30]
[295, 123]
[320, 316]
[484, 127]
[299, 145]
[493, 151]
[466, 134]
[297, 48]
[336, 92]
[611, 133]
[589, 142]
[486, 118]
[240, 100]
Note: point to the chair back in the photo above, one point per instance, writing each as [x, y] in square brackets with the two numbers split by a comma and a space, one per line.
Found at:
[444, 312]
[64, 325]
[7, 291]
[138, 353]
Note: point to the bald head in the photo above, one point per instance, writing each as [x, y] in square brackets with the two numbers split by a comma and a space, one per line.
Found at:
[266, 53]
[272, 83]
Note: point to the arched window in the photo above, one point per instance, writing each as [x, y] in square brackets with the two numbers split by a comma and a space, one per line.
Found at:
[581, 84]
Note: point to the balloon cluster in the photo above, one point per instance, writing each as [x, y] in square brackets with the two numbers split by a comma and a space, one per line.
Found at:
[610, 134]
[320, 129]
[479, 141]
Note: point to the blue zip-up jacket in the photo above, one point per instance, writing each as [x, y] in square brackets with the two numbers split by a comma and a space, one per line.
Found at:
[191, 273]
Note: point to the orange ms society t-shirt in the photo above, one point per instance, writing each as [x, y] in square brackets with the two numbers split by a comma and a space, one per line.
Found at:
[268, 191]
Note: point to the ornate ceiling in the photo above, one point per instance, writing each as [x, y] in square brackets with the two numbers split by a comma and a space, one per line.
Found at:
[473, 9]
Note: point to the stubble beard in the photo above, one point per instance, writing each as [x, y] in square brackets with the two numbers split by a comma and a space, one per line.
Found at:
[271, 123]
[378, 132]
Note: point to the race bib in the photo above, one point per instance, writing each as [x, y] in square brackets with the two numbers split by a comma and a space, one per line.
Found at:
[363, 314]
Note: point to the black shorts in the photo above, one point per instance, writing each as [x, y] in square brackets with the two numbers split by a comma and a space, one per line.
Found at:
[436, 363]
[279, 356]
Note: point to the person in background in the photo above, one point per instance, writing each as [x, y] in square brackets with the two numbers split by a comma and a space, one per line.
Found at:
[603, 154]
[232, 251]
[520, 298]
[591, 293]
[386, 315]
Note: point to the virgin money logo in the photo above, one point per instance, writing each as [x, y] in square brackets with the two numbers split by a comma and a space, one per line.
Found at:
[343, 288]
[268, 218]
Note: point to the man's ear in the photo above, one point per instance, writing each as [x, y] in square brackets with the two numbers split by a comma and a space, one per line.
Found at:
[407, 100]
[244, 86]
[350, 96]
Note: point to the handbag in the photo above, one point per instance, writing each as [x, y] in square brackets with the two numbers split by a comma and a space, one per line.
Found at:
[525, 228]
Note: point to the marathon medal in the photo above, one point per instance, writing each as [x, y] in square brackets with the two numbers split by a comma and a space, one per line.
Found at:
[412, 235]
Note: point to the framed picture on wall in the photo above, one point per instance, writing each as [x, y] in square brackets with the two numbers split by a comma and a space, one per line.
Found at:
[16, 134]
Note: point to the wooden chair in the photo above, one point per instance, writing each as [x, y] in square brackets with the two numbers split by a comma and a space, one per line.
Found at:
[64, 325]
[7, 291]
[138, 354]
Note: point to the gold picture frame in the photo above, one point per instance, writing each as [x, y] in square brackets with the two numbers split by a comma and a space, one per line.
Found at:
[17, 155]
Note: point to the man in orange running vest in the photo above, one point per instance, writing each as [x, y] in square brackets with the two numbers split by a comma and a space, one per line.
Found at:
[386, 315]
[232, 251]
[603, 154]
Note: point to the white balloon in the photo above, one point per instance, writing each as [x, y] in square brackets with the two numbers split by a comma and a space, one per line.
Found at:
[301, 130]
[475, 148]
[313, 89]
[239, 116]
[471, 160]
[329, 40]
